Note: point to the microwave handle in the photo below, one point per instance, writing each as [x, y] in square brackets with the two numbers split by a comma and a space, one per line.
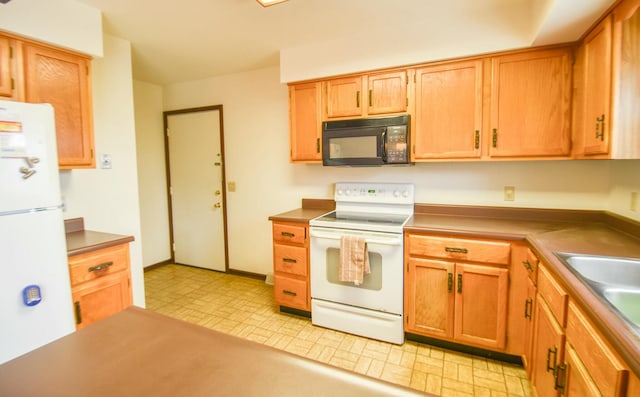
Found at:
[384, 145]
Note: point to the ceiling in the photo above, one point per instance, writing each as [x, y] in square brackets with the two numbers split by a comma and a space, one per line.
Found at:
[174, 41]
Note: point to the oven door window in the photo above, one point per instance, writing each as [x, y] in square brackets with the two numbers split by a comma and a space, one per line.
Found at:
[371, 281]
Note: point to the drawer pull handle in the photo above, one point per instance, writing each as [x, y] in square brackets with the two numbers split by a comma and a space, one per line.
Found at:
[288, 234]
[456, 250]
[76, 305]
[289, 260]
[551, 367]
[459, 283]
[528, 309]
[287, 292]
[100, 267]
[450, 282]
[527, 265]
[561, 377]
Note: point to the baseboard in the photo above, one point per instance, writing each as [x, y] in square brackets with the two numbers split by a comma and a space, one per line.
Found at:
[242, 273]
[504, 357]
[157, 265]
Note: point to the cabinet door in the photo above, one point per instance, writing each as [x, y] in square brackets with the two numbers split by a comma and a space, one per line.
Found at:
[448, 115]
[62, 79]
[530, 304]
[304, 122]
[548, 350]
[101, 298]
[626, 80]
[387, 93]
[344, 97]
[597, 89]
[429, 297]
[577, 382]
[6, 89]
[531, 104]
[481, 305]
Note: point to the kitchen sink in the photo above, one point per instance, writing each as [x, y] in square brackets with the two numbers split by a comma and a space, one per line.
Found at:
[616, 281]
[627, 301]
[605, 269]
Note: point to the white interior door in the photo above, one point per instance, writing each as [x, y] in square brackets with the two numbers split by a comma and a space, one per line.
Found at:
[195, 159]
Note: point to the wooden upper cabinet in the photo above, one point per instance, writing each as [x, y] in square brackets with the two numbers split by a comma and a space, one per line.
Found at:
[448, 111]
[597, 89]
[305, 125]
[626, 81]
[6, 75]
[531, 104]
[62, 79]
[387, 93]
[344, 97]
[366, 95]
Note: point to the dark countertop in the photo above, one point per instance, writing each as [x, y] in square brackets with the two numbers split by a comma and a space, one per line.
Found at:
[80, 241]
[125, 355]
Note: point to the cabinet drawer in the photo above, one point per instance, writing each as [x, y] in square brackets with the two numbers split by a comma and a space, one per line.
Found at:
[555, 296]
[605, 369]
[287, 233]
[290, 259]
[94, 264]
[460, 249]
[290, 292]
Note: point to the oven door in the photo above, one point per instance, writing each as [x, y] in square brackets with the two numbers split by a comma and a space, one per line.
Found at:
[381, 290]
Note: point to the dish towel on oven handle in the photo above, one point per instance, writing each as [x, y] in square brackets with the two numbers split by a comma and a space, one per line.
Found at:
[354, 259]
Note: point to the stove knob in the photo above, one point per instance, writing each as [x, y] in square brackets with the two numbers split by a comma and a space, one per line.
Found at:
[348, 192]
[339, 192]
[396, 193]
[405, 193]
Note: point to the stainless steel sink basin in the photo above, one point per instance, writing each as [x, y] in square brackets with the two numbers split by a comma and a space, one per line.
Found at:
[616, 281]
[605, 269]
[627, 301]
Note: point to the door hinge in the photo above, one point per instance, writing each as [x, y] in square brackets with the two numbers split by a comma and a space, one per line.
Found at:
[173, 247]
[407, 319]
[170, 190]
[407, 267]
[13, 84]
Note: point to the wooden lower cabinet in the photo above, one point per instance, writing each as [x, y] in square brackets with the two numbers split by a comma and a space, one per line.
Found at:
[100, 283]
[451, 300]
[548, 350]
[291, 265]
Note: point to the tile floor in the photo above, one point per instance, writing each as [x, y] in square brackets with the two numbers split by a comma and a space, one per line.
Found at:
[244, 307]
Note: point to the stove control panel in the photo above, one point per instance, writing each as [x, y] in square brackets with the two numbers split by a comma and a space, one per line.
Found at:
[387, 193]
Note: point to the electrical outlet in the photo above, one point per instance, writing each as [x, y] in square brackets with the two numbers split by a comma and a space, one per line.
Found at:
[509, 193]
[633, 205]
[105, 161]
[231, 186]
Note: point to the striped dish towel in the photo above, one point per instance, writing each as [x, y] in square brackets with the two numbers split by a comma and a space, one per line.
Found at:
[354, 259]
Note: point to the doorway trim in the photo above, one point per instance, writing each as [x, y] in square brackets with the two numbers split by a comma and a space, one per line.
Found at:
[165, 117]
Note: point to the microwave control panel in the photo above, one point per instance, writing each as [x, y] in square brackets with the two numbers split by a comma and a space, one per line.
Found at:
[396, 144]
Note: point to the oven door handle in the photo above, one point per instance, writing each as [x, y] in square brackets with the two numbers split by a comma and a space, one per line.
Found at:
[395, 240]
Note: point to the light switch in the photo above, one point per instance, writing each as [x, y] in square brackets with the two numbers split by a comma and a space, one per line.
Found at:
[231, 186]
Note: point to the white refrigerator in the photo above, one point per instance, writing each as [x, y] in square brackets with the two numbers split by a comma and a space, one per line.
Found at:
[35, 291]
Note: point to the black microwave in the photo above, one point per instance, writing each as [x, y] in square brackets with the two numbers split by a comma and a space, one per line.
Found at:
[366, 142]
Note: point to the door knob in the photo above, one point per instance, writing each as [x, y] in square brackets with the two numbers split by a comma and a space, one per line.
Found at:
[217, 192]
[217, 205]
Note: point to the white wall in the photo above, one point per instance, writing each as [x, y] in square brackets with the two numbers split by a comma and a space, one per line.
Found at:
[63, 23]
[625, 178]
[108, 198]
[257, 148]
[152, 183]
